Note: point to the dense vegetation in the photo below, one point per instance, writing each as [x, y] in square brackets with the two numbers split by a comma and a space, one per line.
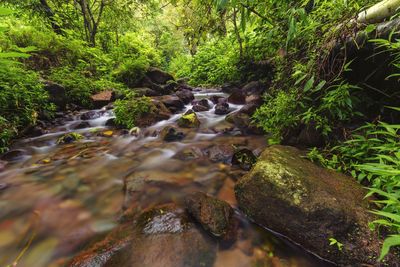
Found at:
[81, 46]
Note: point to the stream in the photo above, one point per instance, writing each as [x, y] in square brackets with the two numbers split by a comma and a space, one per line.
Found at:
[56, 199]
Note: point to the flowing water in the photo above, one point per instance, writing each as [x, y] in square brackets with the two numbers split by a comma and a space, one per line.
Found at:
[56, 199]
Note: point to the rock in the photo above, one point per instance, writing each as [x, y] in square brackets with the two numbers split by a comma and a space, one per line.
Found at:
[249, 109]
[254, 88]
[166, 237]
[90, 115]
[189, 154]
[171, 86]
[185, 95]
[214, 215]
[310, 136]
[3, 186]
[220, 153]
[144, 91]
[254, 99]
[310, 205]
[170, 134]
[217, 99]
[173, 103]
[57, 94]
[200, 105]
[223, 127]
[243, 122]
[158, 112]
[189, 120]
[2, 165]
[222, 109]
[35, 131]
[229, 88]
[14, 155]
[107, 251]
[81, 125]
[103, 99]
[244, 158]
[69, 138]
[158, 76]
[237, 97]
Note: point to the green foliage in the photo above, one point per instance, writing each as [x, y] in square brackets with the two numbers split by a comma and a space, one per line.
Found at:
[131, 72]
[278, 113]
[215, 63]
[372, 155]
[334, 242]
[69, 138]
[129, 110]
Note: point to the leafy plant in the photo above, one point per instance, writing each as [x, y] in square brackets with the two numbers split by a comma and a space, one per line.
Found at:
[129, 110]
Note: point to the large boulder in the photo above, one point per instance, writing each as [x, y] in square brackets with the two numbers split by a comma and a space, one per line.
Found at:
[158, 76]
[312, 206]
[254, 88]
[173, 103]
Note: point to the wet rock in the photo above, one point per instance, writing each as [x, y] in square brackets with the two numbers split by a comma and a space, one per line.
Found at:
[2, 165]
[166, 236]
[254, 88]
[107, 251]
[90, 115]
[103, 99]
[69, 138]
[200, 105]
[189, 120]
[237, 97]
[14, 155]
[35, 131]
[254, 99]
[171, 134]
[188, 154]
[220, 153]
[217, 99]
[223, 127]
[249, 109]
[173, 103]
[229, 88]
[243, 122]
[57, 94]
[171, 86]
[214, 215]
[158, 76]
[290, 195]
[222, 109]
[158, 112]
[3, 186]
[185, 95]
[244, 158]
[81, 125]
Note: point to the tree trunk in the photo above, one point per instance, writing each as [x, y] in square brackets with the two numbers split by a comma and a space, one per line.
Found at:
[379, 12]
[237, 32]
[51, 16]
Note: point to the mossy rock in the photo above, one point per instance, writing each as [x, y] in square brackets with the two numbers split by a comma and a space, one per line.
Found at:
[189, 120]
[311, 205]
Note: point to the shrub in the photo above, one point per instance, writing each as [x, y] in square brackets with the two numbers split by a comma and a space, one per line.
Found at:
[128, 110]
[131, 72]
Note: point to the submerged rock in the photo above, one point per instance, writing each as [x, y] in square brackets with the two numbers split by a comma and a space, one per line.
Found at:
[216, 216]
[166, 237]
[90, 115]
[311, 206]
[171, 134]
[14, 155]
[222, 109]
[189, 120]
[244, 158]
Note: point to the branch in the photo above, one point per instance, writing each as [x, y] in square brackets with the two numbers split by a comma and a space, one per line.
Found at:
[252, 10]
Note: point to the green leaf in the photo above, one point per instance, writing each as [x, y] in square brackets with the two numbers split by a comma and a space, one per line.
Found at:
[309, 84]
[389, 242]
[5, 11]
